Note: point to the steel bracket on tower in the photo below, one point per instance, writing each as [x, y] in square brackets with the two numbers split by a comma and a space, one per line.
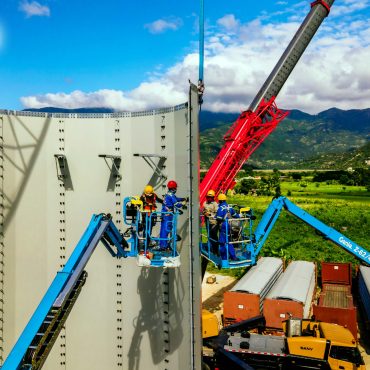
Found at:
[113, 162]
[156, 167]
[63, 173]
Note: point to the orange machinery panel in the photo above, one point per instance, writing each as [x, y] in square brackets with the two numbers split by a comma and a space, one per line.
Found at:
[278, 310]
[239, 306]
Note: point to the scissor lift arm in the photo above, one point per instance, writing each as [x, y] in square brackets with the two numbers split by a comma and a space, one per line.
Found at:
[41, 332]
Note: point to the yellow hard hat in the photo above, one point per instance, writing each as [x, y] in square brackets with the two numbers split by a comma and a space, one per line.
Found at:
[211, 193]
[222, 196]
[148, 190]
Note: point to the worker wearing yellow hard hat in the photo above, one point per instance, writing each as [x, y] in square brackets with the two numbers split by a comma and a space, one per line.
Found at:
[222, 197]
[211, 193]
[149, 199]
[148, 190]
[224, 213]
[209, 211]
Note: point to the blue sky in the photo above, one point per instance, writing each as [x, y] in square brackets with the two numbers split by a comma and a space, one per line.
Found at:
[140, 54]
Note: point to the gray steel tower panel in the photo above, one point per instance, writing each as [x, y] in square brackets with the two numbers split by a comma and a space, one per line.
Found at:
[56, 171]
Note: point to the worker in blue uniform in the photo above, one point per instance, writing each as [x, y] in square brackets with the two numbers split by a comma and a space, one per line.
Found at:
[224, 213]
[171, 203]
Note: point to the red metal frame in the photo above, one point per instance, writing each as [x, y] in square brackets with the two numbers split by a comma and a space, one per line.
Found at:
[243, 138]
[323, 3]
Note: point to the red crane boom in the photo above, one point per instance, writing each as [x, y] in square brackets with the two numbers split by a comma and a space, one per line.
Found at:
[255, 124]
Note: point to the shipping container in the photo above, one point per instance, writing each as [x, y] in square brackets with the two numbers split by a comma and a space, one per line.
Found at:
[364, 293]
[335, 304]
[245, 299]
[292, 294]
[336, 273]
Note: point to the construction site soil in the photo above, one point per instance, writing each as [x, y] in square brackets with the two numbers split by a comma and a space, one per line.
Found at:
[212, 300]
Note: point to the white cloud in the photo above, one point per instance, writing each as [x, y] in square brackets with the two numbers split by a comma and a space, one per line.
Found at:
[34, 8]
[349, 6]
[229, 22]
[333, 72]
[146, 96]
[162, 25]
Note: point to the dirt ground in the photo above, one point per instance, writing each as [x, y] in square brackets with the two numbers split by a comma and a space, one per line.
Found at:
[213, 294]
[212, 298]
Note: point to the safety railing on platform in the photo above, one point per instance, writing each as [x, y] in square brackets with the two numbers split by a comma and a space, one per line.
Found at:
[151, 235]
[229, 243]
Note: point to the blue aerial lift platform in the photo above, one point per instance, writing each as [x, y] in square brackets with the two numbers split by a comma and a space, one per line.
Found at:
[144, 245]
[248, 244]
[41, 332]
[273, 211]
[239, 235]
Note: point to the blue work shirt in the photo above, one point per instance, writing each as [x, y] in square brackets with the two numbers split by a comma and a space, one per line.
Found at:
[223, 210]
[171, 202]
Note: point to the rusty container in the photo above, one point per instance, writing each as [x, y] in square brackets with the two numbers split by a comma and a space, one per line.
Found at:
[336, 273]
[292, 294]
[335, 304]
[245, 300]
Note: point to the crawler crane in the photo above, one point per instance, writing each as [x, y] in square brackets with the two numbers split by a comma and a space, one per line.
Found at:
[261, 118]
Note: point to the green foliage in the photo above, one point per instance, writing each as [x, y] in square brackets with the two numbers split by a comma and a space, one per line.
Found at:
[358, 176]
[237, 273]
[245, 186]
[291, 239]
[269, 184]
[296, 176]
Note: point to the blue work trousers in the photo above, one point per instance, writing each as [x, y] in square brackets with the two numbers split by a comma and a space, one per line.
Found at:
[223, 243]
[166, 228]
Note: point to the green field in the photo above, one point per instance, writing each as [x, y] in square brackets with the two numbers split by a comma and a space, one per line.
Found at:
[346, 209]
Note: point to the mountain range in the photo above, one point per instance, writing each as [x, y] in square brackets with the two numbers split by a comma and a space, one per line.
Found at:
[332, 139]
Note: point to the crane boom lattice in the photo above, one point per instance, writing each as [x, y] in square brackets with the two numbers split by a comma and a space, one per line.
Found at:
[243, 138]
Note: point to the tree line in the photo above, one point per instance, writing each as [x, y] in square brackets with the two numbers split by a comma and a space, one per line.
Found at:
[253, 182]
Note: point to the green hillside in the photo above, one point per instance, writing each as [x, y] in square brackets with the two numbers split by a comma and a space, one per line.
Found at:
[301, 141]
[352, 159]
